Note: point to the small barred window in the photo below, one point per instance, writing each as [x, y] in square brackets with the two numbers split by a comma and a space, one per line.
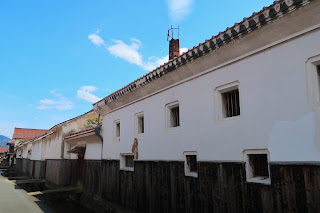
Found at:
[230, 103]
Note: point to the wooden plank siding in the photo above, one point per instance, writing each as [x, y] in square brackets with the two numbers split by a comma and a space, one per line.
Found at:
[161, 186]
[220, 187]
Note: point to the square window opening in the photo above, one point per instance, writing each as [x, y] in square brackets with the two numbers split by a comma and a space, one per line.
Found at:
[174, 116]
[192, 163]
[129, 161]
[259, 165]
[140, 124]
[230, 103]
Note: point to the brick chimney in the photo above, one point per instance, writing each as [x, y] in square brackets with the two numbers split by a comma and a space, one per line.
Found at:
[174, 48]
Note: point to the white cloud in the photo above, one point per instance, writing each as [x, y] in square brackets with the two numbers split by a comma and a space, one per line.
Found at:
[55, 93]
[127, 52]
[43, 107]
[85, 94]
[96, 39]
[153, 62]
[36, 118]
[179, 9]
[59, 102]
[131, 54]
[47, 101]
[183, 50]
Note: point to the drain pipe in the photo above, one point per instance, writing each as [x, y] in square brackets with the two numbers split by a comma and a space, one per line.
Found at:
[62, 150]
[101, 145]
[101, 138]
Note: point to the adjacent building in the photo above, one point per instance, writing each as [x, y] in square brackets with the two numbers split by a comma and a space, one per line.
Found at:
[11, 153]
[23, 147]
[3, 153]
[21, 136]
[46, 156]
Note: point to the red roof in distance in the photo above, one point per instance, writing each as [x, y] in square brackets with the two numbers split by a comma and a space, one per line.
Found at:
[23, 133]
[3, 149]
[10, 142]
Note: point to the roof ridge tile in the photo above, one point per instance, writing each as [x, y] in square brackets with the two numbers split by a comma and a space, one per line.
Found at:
[239, 29]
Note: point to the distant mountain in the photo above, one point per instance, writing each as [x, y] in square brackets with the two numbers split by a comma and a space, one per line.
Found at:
[4, 140]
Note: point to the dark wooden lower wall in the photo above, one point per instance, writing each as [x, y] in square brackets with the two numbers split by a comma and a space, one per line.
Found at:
[58, 172]
[163, 187]
[34, 168]
[18, 165]
[23, 165]
[39, 169]
[220, 187]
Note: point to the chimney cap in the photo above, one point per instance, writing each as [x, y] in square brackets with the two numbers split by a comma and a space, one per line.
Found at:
[174, 48]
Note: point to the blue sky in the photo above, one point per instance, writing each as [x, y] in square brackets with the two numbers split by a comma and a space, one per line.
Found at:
[57, 57]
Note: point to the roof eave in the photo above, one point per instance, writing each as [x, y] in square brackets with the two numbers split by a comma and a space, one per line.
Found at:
[255, 21]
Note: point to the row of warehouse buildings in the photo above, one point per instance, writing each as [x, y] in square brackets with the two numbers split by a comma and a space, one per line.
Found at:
[7, 154]
[232, 125]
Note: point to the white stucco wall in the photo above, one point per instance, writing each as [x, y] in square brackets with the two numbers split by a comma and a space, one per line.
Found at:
[18, 149]
[36, 150]
[93, 151]
[25, 149]
[52, 144]
[93, 147]
[19, 152]
[275, 114]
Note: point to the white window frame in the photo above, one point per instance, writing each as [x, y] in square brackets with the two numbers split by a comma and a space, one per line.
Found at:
[123, 162]
[136, 124]
[187, 172]
[313, 82]
[115, 137]
[249, 173]
[169, 106]
[219, 108]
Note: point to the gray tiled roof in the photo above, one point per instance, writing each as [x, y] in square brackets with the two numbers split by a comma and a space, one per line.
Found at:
[238, 30]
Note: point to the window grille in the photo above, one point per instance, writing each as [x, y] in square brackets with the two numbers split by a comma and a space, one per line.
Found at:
[192, 163]
[231, 103]
[129, 160]
[259, 165]
[174, 116]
